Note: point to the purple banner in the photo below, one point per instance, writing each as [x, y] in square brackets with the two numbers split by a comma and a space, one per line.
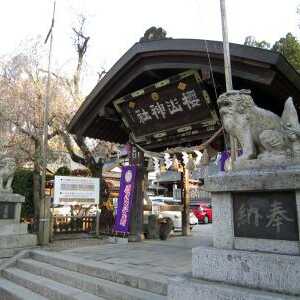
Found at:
[127, 187]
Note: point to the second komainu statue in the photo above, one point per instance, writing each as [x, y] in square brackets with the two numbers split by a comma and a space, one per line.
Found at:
[263, 135]
[7, 171]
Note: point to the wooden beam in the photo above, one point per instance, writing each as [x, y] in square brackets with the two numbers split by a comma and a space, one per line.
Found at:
[137, 209]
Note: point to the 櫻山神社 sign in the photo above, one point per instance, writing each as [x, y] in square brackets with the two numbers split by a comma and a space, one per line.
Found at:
[127, 188]
[71, 190]
[173, 106]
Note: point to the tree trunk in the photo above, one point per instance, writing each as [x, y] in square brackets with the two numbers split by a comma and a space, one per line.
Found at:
[96, 171]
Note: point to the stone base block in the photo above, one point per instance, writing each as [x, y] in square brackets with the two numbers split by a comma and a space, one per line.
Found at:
[10, 201]
[10, 197]
[265, 271]
[11, 229]
[17, 241]
[192, 289]
[264, 245]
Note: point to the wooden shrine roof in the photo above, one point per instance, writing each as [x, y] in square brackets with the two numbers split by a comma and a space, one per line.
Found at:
[270, 77]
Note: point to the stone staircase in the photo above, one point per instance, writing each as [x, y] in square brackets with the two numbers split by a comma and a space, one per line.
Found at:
[14, 238]
[39, 274]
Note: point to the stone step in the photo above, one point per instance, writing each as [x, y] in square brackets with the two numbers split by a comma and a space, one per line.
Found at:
[12, 291]
[93, 285]
[17, 241]
[151, 282]
[194, 289]
[46, 287]
[5, 253]
[9, 229]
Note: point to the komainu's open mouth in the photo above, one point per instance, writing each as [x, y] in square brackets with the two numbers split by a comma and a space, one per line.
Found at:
[223, 103]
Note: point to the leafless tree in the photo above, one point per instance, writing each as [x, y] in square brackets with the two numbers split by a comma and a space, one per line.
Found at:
[92, 155]
[22, 90]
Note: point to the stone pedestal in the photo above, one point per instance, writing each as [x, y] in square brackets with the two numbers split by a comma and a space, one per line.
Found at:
[13, 234]
[256, 249]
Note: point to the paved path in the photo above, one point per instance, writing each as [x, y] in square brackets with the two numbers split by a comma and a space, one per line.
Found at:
[167, 258]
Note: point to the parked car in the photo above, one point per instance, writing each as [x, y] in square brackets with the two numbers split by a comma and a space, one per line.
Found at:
[164, 200]
[203, 213]
[175, 216]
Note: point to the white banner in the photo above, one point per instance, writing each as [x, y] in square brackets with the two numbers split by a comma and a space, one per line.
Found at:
[71, 190]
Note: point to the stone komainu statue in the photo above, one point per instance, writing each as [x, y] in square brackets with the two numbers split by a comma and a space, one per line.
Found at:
[261, 133]
[154, 33]
[7, 171]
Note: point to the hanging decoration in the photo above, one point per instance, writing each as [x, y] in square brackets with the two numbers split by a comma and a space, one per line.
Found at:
[168, 161]
[160, 162]
[162, 166]
[217, 161]
[156, 165]
[175, 164]
[198, 157]
[190, 165]
[205, 158]
[185, 158]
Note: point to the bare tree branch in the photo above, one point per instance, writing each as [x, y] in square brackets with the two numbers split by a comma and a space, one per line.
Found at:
[53, 134]
[19, 126]
[81, 44]
[27, 152]
[101, 74]
[68, 143]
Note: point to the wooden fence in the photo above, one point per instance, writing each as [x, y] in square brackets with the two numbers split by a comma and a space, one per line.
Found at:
[68, 224]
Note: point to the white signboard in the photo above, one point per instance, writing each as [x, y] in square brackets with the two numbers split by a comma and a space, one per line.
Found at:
[71, 190]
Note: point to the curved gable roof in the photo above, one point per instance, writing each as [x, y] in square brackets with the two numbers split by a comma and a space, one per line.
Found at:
[148, 62]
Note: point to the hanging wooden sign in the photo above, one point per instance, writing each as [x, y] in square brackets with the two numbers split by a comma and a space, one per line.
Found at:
[179, 105]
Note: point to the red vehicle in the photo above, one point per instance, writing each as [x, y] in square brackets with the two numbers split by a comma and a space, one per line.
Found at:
[203, 213]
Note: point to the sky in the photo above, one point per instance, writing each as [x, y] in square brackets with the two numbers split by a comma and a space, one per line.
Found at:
[115, 25]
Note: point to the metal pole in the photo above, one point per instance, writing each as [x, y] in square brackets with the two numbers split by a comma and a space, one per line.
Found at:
[44, 207]
[227, 63]
[227, 67]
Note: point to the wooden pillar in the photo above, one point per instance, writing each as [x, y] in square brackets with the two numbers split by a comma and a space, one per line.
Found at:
[137, 209]
[185, 196]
